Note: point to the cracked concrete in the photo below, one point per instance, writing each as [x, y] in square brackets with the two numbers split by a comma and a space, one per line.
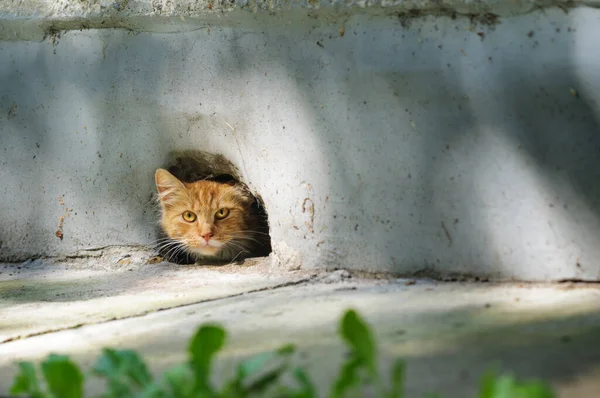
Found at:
[41, 296]
[447, 332]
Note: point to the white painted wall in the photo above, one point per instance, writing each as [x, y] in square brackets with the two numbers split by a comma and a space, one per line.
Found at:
[428, 148]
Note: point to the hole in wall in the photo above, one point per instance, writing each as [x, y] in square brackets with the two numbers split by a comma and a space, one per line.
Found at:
[207, 213]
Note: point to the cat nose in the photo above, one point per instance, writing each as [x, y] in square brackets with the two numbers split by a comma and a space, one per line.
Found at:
[207, 236]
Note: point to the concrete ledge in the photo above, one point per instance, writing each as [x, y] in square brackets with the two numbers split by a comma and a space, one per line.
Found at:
[35, 19]
[449, 334]
[39, 297]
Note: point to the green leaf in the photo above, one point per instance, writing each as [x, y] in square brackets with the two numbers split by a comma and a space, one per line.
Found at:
[207, 341]
[251, 366]
[499, 387]
[122, 367]
[506, 386]
[397, 379]
[286, 350]
[347, 379]
[256, 363]
[307, 387]
[124, 372]
[358, 336]
[533, 389]
[26, 381]
[180, 380]
[488, 384]
[63, 377]
[152, 391]
[267, 380]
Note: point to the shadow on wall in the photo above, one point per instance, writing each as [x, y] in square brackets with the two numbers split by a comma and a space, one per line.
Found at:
[81, 159]
[96, 132]
[428, 150]
[20, 172]
[448, 151]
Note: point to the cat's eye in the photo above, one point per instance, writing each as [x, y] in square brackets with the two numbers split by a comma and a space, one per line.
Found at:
[222, 213]
[189, 216]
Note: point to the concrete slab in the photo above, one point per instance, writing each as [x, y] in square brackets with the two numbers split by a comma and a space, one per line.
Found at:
[447, 332]
[39, 296]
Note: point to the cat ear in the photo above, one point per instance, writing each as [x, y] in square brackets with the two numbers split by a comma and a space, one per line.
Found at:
[167, 185]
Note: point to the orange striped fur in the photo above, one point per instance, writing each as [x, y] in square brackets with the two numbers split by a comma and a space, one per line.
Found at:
[203, 234]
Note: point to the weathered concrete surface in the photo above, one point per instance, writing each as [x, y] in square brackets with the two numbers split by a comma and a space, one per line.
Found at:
[448, 332]
[37, 297]
[34, 19]
[425, 145]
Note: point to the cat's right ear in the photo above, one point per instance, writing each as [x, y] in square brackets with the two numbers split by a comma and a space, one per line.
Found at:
[167, 185]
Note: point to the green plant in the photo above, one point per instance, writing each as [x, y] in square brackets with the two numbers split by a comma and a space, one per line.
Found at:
[127, 375]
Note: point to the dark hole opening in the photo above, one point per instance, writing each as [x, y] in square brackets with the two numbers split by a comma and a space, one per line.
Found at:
[191, 166]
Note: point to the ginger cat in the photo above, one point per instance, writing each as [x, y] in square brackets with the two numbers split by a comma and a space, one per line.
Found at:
[211, 219]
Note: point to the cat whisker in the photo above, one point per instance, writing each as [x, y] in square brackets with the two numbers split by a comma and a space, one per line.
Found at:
[238, 246]
[168, 252]
[239, 256]
[247, 238]
[174, 248]
[258, 239]
[252, 231]
[164, 249]
[236, 256]
[171, 251]
[167, 243]
[236, 243]
[162, 238]
[178, 251]
[160, 241]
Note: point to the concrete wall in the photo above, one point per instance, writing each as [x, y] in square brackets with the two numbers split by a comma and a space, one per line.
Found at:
[429, 145]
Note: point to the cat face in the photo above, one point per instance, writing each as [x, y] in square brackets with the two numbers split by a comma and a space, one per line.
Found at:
[204, 217]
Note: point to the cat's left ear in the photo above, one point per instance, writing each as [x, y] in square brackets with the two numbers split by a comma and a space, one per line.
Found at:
[167, 185]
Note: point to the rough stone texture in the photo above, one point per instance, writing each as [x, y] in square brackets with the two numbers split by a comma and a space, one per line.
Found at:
[36, 20]
[65, 9]
[429, 145]
[447, 332]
